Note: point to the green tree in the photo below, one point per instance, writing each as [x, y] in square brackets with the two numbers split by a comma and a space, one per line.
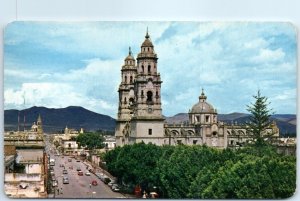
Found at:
[90, 140]
[259, 119]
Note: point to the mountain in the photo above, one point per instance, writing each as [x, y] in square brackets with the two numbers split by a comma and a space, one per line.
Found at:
[285, 122]
[55, 120]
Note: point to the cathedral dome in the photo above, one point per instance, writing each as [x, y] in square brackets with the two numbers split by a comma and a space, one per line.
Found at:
[202, 106]
[129, 57]
[147, 42]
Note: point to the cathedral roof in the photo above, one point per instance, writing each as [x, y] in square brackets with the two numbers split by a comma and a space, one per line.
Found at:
[202, 106]
[147, 42]
[129, 57]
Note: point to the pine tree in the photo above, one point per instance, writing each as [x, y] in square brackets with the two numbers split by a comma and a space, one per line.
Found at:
[259, 119]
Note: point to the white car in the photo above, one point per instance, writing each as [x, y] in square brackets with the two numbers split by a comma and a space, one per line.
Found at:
[54, 183]
[87, 173]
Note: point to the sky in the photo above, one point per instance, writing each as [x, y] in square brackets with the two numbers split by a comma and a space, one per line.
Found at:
[60, 64]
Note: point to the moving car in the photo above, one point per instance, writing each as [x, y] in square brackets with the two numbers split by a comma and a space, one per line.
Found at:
[78, 169]
[88, 174]
[65, 171]
[65, 180]
[94, 183]
[80, 173]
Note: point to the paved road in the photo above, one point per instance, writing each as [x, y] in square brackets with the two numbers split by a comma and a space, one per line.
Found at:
[78, 186]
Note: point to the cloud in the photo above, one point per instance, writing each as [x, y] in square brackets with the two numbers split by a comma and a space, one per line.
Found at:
[82, 62]
[267, 55]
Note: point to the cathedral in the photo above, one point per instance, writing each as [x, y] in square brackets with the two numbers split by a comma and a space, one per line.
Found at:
[140, 113]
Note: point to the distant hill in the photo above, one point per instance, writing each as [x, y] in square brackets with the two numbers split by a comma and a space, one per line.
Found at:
[285, 122]
[55, 120]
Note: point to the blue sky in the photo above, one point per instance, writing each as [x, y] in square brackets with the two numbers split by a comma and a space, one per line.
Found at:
[58, 64]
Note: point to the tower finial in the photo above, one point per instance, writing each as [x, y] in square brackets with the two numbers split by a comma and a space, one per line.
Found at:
[130, 51]
[147, 35]
[202, 97]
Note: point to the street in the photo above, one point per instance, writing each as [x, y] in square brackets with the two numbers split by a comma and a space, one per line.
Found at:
[79, 186]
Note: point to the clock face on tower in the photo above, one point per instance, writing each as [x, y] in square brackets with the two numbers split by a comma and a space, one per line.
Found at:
[149, 109]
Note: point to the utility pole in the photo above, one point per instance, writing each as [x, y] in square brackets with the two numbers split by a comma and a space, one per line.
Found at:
[24, 111]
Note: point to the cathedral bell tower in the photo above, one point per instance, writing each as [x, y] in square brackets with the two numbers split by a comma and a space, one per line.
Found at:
[147, 123]
[126, 99]
[39, 125]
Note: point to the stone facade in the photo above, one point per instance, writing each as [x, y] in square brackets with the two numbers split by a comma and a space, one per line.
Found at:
[25, 149]
[140, 114]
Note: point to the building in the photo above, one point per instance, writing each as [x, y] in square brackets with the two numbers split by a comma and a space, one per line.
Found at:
[140, 114]
[66, 142]
[25, 163]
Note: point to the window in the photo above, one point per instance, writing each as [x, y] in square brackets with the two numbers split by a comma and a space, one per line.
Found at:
[125, 79]
[131, 101]
[198, 118]
[148, 49]
[142, 93]
[149, 131]
[207, 119]
[194, 141]
[125, 100]
[149, 96]
[149, 69]
[231, 142]
[130, 79]
[179, 142]
[69, 145]
[143, 69]
[156, 94]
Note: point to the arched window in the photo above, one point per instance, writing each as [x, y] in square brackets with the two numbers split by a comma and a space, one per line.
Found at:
[69, 145]
[148, 49]
[142, 93]
[125, 100]
[131, 101]
[156, 94]
[149, 69]
[130, 79]
[149, 96]
[143, 69]
[125, 79]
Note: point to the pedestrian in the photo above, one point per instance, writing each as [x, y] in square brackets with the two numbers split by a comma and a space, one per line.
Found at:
[61, 191]
[58, 191]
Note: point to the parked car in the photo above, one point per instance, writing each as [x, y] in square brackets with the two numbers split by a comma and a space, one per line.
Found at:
[112, 182]
[106, 180]
[87, 173]
[69, 160]
[65, 171]
[78, 169]
[54, 183]
[94, 183]
[115, 187]
[92, 170]
[80, 173]
[65, 180]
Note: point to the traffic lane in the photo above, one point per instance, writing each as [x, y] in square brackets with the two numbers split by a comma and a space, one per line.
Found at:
[82, 184]
[78, 186]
